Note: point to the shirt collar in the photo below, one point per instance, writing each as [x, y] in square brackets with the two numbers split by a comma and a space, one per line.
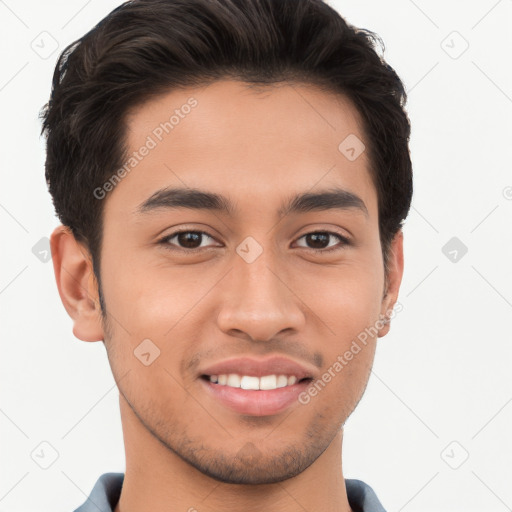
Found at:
[106, 491]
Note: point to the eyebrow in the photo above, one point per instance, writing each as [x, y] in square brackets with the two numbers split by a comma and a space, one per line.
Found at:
[192, 198]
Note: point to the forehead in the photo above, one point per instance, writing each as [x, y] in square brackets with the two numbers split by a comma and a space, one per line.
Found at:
[235, 139]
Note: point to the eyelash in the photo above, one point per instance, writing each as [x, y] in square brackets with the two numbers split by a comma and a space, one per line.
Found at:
[165, 241]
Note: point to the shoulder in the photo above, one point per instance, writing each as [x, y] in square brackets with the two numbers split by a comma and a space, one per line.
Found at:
[362, 497]
[104, 495]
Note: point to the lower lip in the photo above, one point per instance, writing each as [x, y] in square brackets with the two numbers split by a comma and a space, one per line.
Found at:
[256, 402]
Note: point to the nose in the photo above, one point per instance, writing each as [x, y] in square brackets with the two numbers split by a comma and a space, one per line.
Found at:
[258, 301]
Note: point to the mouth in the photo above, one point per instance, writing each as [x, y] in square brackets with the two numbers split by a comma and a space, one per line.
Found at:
[256, 386]
[255, 396]
[254, 383]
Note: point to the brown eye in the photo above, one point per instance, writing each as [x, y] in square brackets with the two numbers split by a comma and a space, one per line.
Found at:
[318, 241]
[185, 240]
[189, 239]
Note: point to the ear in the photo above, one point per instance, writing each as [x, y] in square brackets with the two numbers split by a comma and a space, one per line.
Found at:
[78, 288]
[394, 278]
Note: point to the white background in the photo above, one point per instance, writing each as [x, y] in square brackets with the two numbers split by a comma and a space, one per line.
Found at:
[443, 372]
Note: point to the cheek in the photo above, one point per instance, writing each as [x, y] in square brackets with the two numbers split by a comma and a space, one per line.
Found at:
[148, 300]
[346, 298]
[147, 316]
[346, 306]
[162, 305]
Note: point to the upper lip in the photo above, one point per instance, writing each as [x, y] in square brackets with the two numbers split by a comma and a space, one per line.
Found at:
[276, 365]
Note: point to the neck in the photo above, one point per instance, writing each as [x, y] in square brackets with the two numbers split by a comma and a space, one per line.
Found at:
[157, 479]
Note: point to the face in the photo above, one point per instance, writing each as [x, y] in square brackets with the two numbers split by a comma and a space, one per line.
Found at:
[262, 277]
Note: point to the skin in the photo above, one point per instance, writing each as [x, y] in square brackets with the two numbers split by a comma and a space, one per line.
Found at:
[184, 450]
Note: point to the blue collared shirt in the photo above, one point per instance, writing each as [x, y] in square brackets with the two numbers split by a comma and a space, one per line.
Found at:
[105, 495]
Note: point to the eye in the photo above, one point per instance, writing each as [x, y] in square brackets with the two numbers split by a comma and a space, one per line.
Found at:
[320, 238]
[189, 240]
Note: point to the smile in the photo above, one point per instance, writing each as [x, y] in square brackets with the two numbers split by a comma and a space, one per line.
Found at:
[266, 382]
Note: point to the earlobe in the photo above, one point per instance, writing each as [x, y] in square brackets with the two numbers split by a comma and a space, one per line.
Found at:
[77, 285]
[394, 279]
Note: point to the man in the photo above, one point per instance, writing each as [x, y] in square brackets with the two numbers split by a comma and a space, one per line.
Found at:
[231, 178]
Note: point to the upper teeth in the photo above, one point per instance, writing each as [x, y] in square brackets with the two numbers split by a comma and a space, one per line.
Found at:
[250, 382]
